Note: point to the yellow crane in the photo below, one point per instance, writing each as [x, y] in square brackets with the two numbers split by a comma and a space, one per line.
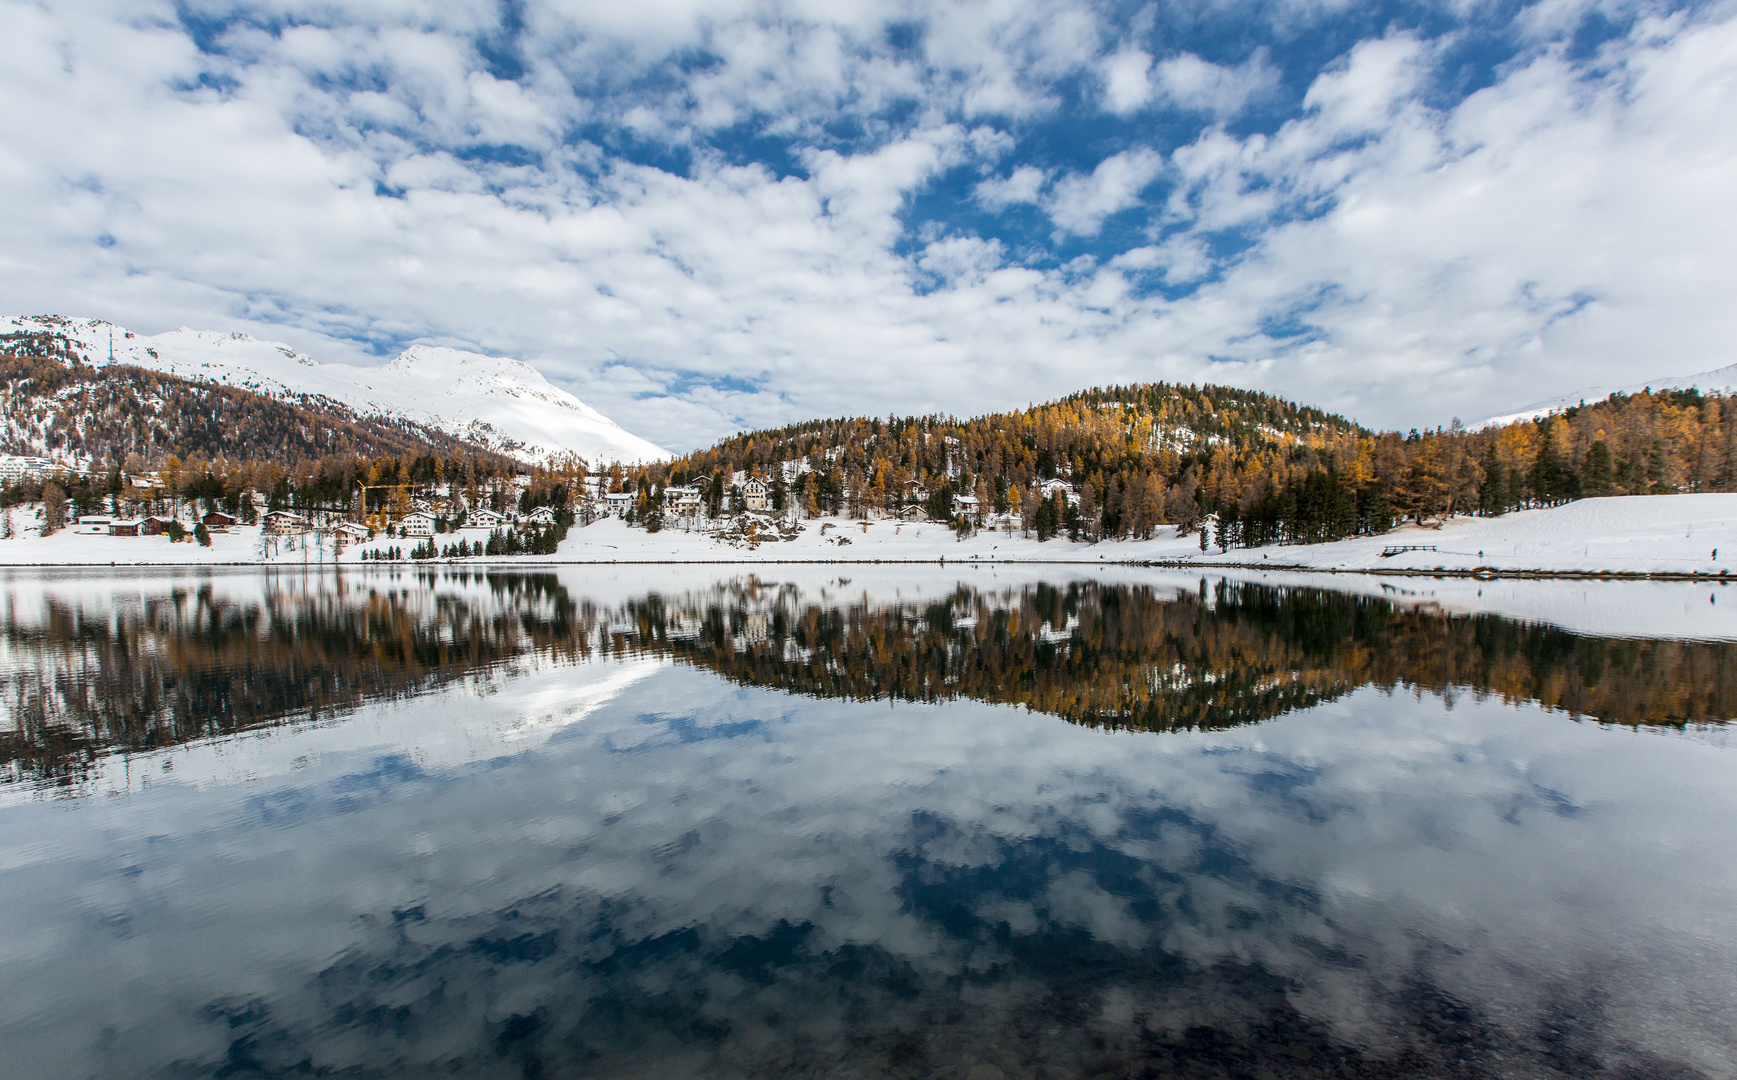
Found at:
[384, 519]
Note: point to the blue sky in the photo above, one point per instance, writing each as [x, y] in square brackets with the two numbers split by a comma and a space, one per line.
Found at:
[703, 217]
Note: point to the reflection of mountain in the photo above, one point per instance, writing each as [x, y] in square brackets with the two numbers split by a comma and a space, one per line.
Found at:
[186, 664]
[183, 664]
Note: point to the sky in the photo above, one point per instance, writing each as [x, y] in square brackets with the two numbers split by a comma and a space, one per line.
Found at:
[710, 217]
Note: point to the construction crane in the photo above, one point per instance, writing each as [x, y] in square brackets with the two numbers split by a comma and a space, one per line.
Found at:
[384, 518]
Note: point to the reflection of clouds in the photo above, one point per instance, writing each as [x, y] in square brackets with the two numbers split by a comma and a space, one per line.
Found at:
[721, 854]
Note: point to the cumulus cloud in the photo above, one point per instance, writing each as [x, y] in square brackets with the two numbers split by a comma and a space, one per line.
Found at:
[1181, 259]
[1081, 202]
[1024, 185]
[1192, 83]
[1127, 82]
[707, 217]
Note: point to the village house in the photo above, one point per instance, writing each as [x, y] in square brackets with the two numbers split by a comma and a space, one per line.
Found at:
[285, 522]
[155, 526]
[1049, 487]
[542, 517]
[915, 492]
[754, 494]
[124, 527]
[350, 532]
[420, 523]
[93, 525]
[965, 506]
[217, 520]
[483, 518]
[914, 513]
[618, 502]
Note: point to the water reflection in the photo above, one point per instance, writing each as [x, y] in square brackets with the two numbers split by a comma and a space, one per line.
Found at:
[193, 661]
[888, 872]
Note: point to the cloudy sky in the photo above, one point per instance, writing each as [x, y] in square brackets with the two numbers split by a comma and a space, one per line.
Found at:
[702, 217]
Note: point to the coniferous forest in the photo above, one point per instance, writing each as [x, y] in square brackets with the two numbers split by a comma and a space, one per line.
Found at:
[1253, 468]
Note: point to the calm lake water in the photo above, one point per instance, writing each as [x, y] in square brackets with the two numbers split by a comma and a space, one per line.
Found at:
[673, 822]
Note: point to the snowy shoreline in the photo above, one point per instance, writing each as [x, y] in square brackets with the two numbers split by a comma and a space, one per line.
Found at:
[1659, 537]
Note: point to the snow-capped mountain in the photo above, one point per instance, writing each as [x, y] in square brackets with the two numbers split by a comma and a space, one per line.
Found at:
[1718, 381]
[503, 404]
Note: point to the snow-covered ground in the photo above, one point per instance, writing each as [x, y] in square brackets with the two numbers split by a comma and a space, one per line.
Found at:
[495, 401]
[1653, 534]
[1674, 534]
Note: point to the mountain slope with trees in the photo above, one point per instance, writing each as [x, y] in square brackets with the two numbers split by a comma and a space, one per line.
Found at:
[1245, 467]
[53, 403]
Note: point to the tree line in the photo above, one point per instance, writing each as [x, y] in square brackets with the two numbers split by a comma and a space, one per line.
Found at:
[1244, 468]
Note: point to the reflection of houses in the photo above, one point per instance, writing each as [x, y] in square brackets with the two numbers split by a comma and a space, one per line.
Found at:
[754, 494]
[283, 523]
[484, 518]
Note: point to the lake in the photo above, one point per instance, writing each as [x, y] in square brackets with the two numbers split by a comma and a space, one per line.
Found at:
[870, 821]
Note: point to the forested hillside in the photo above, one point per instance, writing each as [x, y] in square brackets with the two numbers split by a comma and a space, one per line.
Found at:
[55, 404]
[1261, 468]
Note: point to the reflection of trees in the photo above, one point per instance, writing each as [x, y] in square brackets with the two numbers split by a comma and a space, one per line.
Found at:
[191, 664]
[188, 664]
[1126, 657]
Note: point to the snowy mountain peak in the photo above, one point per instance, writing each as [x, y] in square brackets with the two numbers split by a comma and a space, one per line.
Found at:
[1718, 381]
[495, 401]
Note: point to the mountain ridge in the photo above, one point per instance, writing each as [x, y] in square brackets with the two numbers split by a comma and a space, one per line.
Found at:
[499, 403]
[1715, 381]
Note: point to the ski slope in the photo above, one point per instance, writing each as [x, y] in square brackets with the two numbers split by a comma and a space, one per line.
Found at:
[503, 404]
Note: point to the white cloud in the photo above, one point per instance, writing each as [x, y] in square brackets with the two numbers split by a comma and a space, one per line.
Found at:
[322, 184]
[1127, 85]
[1024, 185]
[1192, 83]
[1080, 203]
[1181, 258]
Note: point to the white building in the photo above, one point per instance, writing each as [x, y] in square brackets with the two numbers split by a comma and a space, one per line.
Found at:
[483, 518]
[420, 523]
[93, 525]
[1049, 487]
[754, 494]
[966, 506]
[542, 517]
[618, 502]
[14, 469]
[282, 522]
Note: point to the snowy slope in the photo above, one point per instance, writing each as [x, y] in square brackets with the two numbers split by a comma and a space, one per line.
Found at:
[1718, 381]
[503, 404]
